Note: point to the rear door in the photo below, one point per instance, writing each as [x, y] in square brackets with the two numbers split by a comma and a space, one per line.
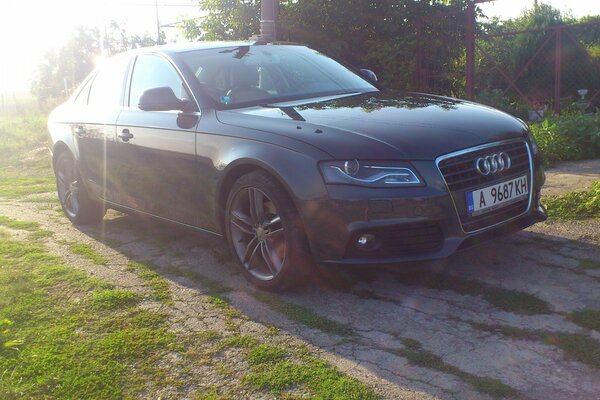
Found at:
[98, 106]
[154, 161]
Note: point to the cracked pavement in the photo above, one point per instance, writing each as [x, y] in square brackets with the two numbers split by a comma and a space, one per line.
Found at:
[381, 308]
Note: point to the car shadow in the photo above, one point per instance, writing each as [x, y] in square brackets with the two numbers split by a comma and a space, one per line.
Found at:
[440, 327]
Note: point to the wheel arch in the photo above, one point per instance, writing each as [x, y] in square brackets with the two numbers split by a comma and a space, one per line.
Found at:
[59, 148]
[233, 172]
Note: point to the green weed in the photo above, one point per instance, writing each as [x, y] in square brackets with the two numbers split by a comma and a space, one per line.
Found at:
[158, 284]
[303, 315]
[503, 299]
[575, 205]
[416, 355]
[65, 348]
[88, 252]
[113, 299]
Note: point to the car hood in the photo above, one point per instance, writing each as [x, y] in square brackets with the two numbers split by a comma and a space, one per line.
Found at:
[384, 125]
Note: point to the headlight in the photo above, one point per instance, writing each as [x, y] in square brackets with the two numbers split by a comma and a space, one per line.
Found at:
[369, 173]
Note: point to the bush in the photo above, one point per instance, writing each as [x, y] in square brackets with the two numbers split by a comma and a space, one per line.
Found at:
[575, 205]
[567, 138]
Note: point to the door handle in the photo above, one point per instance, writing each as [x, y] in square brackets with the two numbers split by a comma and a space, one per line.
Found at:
[80, 131]
[125, 135]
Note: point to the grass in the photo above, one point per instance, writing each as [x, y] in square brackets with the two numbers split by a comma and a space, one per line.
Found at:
[303, 315]
[266, 354]
[589, 319]
[416, 355]
[323, 381]
[114, 299]
[503, 299]
[576, 346]
[88, 252]
[588, 264]
[158, 284]
[16, 224]
[580, 204]
[101, 347]
[25, 166]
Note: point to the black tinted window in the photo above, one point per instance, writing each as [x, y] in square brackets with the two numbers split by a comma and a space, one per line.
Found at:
[107, 86]
[151, 72]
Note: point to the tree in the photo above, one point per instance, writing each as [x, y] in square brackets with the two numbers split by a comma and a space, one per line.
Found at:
[514, 52]
[374, 34]
[63, 69]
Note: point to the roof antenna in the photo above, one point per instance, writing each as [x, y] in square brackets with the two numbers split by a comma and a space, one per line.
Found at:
[268, 21]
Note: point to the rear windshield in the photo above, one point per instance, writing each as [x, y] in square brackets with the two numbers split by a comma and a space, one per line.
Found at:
[252, 75]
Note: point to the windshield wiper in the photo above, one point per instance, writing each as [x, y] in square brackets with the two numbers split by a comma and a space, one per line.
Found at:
[289, 111]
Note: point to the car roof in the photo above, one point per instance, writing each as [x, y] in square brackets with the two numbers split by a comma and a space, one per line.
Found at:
[185, 47]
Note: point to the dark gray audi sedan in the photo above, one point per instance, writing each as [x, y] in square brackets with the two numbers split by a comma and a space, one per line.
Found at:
[292, 157]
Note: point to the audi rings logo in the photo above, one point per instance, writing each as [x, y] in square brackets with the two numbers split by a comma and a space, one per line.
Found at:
[493, 164]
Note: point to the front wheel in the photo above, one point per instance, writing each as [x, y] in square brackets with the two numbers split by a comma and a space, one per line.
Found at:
[74, 199]
[265, 232]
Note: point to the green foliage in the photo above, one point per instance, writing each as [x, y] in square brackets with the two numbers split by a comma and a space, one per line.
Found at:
[319, 377]
[63, 69]
[55, 346]
[226, 20]
[303, 315]
[158, 284]
[113, 299]
[504, 299]
[265, 354]
[7, 342]
[575, 205]
[16, 224]
[569, 137]
[25, 166]
[576, 346]
[589, 319]
[416, 355]
[378, 35]
[512, 53]
[88, 252]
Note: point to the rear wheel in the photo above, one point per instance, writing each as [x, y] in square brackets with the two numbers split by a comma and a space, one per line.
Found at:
[265, 233]
[78, 206]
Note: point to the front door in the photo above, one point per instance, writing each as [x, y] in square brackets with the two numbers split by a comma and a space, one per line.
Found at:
[154, 165]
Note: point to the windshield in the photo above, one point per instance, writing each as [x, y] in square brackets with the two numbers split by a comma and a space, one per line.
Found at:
[258, 74]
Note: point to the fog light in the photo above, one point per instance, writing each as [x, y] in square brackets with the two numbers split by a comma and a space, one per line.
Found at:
[367, 241]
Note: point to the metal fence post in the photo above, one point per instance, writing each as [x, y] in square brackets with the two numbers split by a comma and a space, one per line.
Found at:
[557, 70]
[470, 39]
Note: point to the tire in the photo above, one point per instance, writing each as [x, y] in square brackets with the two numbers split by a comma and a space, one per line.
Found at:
[265, 233]
[76, 203]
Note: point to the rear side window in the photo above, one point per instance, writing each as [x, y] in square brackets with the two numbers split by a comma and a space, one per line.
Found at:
[82, 96]
[150, 72]
[107, 86]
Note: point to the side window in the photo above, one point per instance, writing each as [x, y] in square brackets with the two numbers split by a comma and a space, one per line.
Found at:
[150, 72]
[107, 86]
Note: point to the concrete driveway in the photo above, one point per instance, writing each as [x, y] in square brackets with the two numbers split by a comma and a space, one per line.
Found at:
[495, 321]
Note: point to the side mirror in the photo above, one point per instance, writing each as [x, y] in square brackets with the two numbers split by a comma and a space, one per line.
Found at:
[369, 74]
[163, 99]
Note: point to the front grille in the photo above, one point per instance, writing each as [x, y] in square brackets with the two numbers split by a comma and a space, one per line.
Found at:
[460, 173]
[403, 240]
[461, 176]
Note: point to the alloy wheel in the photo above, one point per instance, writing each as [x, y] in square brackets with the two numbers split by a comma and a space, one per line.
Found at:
[257, 233]
[68, 186]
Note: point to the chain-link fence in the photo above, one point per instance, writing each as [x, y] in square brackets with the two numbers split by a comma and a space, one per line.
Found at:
[529, 73]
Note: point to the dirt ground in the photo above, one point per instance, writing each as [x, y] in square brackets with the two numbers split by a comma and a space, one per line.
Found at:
[436, 330]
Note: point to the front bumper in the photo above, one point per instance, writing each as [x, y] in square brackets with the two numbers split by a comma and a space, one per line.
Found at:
[411, 224]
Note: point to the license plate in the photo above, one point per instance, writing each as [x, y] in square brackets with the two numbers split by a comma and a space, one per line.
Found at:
[492, 197]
